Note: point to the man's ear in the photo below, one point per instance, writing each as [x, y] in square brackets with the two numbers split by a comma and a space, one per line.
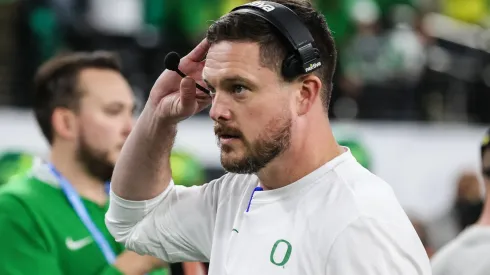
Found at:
[65, 123]
[310, 87]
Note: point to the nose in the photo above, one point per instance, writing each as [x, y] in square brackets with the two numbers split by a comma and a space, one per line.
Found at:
[220, 108]
[128, 125]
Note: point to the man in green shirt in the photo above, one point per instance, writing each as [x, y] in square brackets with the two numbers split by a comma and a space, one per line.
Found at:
[52, 218]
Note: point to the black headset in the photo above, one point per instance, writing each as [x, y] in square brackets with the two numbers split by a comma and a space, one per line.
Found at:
[304, 57]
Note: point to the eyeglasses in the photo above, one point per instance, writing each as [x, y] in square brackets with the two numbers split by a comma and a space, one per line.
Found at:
[486, 172]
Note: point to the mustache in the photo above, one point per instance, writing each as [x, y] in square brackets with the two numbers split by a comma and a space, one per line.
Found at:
[222, 130]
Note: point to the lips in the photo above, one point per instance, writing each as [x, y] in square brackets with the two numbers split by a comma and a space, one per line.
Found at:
[228, 136]
[228, 140]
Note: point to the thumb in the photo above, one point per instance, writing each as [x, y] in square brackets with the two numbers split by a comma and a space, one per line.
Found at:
[188, 96]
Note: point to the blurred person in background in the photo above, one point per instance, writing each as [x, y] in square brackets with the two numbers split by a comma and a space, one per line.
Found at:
[14, 164]
[466, 253]
[52, 218]
[469, 203]
[382, 68]
[361, 54]
[465, 211]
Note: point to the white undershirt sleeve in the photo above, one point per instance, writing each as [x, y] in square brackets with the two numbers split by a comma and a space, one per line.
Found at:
[175, 226]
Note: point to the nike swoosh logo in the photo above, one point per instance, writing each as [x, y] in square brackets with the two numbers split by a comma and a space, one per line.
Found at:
[76, 245]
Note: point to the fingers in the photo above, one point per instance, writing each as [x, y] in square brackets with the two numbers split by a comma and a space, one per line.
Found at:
[188, 96]
[199, 52]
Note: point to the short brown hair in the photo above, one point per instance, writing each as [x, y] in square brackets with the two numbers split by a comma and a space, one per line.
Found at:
[56, 83]
[273, 51]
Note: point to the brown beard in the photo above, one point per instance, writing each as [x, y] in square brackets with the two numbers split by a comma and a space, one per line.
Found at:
[272, 142]
[96, 162]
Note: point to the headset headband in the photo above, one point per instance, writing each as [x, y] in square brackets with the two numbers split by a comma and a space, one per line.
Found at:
[290, 26]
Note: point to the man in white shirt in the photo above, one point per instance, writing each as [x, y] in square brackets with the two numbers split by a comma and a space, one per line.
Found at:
[294, 201]
[466, 254]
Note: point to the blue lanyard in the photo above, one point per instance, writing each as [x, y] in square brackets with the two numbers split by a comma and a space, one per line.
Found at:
[77, 204]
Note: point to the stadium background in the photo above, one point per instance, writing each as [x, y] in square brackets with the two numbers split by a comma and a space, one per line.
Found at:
[411, 94]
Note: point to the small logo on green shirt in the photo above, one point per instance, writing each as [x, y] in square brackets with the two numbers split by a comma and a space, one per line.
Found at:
[79, 244]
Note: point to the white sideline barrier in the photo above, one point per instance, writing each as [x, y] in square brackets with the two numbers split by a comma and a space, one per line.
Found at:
[420, 161]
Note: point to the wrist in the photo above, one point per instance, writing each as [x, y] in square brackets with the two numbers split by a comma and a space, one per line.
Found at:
[155, 127]
[158, 123]
[149, 264]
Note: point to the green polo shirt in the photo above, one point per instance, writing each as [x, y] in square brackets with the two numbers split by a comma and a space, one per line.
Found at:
[42, 234]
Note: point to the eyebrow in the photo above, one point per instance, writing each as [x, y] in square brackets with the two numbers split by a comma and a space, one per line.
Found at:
[120, 104]
[230, 80]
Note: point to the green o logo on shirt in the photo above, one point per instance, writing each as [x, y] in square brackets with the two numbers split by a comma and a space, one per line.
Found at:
[280, 253]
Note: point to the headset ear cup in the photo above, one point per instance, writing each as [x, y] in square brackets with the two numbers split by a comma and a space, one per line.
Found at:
[317, 53]
[290, 67]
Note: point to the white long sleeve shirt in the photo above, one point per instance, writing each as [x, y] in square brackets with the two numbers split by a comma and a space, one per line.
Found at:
[338, 220]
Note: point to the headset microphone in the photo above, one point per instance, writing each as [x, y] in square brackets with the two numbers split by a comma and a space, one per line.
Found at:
[172, 60]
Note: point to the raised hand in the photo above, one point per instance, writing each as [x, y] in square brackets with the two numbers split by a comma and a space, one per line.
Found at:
[174, 98]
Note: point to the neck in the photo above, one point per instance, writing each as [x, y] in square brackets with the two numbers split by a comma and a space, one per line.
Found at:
[308, 151]
[485, 214]
[85, 184]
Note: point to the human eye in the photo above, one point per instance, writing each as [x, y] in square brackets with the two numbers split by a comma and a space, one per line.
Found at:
[238, 89]
[113, 110]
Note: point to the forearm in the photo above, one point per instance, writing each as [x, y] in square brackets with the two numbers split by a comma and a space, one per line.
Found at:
[143, 170]
[132, 223]
[129, 262]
